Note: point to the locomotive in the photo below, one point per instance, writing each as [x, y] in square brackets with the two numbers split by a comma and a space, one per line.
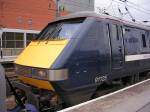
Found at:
[76, 54]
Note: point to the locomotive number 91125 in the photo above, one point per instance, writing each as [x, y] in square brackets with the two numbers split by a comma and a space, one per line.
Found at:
[100, 79]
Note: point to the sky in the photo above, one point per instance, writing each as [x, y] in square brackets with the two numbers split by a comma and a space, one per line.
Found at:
[139, 9]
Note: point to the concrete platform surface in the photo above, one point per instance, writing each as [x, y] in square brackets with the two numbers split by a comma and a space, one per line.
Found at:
[135, 98]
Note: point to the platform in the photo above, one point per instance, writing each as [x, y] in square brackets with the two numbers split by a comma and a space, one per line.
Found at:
[7, 59]
[135, 98]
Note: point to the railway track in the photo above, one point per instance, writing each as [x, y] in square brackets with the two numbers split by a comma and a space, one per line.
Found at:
[10, 73]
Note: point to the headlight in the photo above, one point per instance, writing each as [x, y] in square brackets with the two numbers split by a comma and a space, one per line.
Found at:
[23, 70]
[43, 74]
[51, 75]
[40, 73]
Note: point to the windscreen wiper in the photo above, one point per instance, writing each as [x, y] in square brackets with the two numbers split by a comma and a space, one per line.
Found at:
[51, 35]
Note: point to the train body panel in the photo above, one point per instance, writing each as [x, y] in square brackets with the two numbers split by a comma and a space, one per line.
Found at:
[100, 49]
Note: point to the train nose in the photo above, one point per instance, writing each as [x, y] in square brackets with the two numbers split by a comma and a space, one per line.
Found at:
[41, 54]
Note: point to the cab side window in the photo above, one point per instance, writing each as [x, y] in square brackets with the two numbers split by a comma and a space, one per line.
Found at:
[144, 41]
[131, 40]
[114, 30]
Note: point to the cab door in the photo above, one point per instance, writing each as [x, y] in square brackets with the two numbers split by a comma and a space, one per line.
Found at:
[117, 48]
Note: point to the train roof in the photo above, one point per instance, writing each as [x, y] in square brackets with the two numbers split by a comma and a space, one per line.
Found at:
[103, 16]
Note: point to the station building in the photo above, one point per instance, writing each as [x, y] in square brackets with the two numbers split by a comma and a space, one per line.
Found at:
[77, 5]
[21, 21]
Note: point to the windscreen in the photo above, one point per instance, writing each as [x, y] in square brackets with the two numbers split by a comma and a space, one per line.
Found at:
[61, 30]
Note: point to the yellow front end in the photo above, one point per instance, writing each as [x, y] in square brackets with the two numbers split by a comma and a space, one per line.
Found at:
[41, 55]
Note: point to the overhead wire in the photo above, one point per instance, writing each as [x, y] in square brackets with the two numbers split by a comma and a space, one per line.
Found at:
[127, 10]
[134, 7]
[113, 8]
[107, 8]
[138, 6]
[111, 3]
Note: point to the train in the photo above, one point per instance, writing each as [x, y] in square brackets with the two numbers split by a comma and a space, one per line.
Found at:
[76, 54]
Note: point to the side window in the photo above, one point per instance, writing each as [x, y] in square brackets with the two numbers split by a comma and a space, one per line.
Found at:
[12, 40]
[30, 37]
[3, 40]
[19, 40]
[144, 35]
[148, 34]
[131, 40]
[122, 31]
[108, 30]
[144, 41]
[114, 31]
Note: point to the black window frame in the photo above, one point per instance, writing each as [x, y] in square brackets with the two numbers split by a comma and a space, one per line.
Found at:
[12, 42]
[144, 44]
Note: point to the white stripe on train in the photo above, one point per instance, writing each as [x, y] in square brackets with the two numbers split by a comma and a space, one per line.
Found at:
[137, 57]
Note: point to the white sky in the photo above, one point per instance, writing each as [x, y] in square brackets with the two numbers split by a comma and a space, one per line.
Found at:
[111, 7]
